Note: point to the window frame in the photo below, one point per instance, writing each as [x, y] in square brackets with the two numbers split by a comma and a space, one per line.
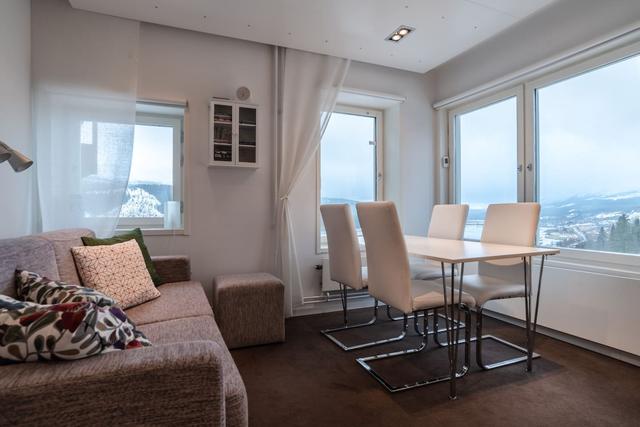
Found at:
[321, 244]
[554, 73]
[154, 226]
[454, 140]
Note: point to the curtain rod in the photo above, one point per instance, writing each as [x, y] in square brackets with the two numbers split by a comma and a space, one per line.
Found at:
[183, 104]
[374, 94]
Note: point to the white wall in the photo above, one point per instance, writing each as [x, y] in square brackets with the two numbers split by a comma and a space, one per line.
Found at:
[591, 300]
[408, 164]
[551, 31]
[15, 115]
[230, 210]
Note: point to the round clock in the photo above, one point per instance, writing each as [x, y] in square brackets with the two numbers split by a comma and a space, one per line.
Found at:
[243, 93]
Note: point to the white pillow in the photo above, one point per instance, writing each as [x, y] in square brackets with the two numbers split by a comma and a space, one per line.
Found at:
[117, 271]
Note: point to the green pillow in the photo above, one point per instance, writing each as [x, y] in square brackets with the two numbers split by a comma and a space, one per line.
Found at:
[136, 234]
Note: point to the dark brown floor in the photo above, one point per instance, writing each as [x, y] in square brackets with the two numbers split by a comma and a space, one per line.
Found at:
[308, 381]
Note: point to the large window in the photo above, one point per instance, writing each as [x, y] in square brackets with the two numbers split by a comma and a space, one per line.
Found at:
[588, 134]
[486, 139]
[569, 140]
[350, 160]
[154, 194]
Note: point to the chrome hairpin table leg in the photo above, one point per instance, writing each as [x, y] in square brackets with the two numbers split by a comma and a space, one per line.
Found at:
[531, 341]
[453, 334]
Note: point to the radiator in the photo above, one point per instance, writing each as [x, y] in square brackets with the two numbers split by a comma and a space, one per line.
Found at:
[328, 285]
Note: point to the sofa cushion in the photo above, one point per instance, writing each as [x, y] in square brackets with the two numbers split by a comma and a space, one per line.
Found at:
[63, 241]
[118, 271]
[28, 253]
[204, 328]
[42, 290]
[177, 300]
[136, 234]
[70, 331]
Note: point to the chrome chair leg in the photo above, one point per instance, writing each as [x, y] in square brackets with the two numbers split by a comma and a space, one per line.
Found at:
[530, 326]
[415, 322]
[365, 361]
[329, 332]
[479, 338]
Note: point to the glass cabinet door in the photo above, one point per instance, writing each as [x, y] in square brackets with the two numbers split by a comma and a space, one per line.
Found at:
[222, 134]
[247, 149]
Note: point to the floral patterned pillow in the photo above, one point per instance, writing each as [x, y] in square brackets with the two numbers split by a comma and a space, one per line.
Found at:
[31, 332]
[8, 303]
[31, 287]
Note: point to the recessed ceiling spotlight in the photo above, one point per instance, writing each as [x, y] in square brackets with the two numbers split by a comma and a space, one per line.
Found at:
[400, 33]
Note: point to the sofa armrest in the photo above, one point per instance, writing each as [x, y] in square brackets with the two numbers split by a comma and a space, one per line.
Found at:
[173, 268]
[178, 384]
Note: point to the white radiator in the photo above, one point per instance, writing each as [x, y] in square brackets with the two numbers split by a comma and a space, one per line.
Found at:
[328, 284]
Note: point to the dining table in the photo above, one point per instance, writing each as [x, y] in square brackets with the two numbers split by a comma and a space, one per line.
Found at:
[455, 253]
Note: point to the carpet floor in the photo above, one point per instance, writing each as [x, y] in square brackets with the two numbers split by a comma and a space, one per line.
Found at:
[309, 381]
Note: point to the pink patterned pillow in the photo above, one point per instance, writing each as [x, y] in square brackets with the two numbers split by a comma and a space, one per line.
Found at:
[117, 271]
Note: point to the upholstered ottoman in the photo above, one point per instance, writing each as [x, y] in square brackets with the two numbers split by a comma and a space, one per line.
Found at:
[249, 308]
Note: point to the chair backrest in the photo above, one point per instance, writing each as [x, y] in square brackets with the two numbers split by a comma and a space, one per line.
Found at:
[448, 221]
[344, 250]
[509, 224]
[388, 274]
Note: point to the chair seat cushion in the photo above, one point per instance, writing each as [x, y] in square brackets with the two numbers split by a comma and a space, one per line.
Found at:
[427, 271]
[177, 300]
[486, 288]
[428, 294]
[204, 328]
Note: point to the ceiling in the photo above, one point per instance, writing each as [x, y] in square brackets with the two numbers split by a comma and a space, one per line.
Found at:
[354, 29]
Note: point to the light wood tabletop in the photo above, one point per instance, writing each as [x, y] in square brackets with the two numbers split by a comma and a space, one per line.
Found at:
[459, 251]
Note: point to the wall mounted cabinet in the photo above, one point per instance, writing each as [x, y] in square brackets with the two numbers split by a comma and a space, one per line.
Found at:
[233, 134]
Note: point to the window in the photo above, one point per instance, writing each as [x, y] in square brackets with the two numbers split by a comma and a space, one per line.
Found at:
[486, 143]
[573, 147]
[588, 139]
[350, 160]
[154, 195]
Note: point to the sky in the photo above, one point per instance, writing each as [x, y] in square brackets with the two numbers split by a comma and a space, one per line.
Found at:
[347, 159]
[589, 139]
[152, 155]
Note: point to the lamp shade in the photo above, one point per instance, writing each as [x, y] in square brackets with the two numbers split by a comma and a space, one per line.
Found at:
[17, 160]
[5, 154]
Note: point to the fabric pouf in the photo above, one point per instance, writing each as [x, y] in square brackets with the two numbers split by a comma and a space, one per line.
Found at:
[249, 308]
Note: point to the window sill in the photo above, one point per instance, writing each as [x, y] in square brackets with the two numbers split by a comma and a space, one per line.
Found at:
[157, 231]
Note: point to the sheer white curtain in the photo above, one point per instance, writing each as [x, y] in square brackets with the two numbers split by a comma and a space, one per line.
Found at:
[308, 85]
[85, 82]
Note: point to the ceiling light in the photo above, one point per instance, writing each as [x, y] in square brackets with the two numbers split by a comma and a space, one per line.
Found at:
[400, 33]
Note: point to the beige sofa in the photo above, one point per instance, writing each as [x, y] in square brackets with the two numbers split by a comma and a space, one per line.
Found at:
[186, 378]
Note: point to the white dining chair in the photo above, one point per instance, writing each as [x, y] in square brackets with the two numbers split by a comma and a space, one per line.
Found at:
[447, 222]
[345, 264]
[508, 224]
[389, 280]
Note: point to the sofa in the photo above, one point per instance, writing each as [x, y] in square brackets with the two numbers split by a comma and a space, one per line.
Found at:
[187, 377]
